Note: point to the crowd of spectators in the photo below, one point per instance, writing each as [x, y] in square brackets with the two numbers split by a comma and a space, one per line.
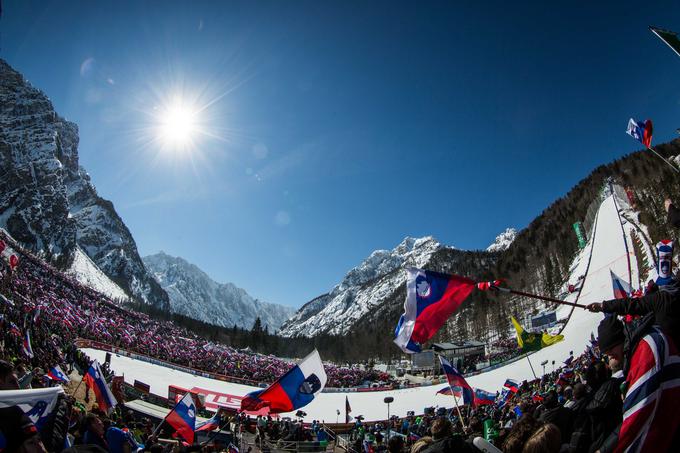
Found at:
[57, 310]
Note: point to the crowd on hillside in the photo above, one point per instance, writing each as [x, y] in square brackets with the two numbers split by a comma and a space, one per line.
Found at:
[57, 310]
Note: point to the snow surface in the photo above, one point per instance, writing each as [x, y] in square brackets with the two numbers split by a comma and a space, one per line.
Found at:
[87, 273]
[503, 240]
[608, 252]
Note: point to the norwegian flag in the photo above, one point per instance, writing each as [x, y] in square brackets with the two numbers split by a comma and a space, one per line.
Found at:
[650, 414]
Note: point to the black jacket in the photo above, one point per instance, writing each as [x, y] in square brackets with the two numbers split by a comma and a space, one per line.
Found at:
[605, 412]
[674, 216]
[561, 417]
[664, 305]
[450, 444]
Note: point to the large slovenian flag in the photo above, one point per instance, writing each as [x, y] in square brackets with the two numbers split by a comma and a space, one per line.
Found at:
[57, 374]
[431, 297]
[621, 287]
[295, 389]
[641, 131]
[183, 417]
[94, 378]
[455, 379]
[483, 397]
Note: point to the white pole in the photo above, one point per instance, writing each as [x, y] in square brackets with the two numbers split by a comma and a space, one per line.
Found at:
[664, 159]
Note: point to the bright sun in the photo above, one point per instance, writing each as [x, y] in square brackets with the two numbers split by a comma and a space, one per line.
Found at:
[178, 125]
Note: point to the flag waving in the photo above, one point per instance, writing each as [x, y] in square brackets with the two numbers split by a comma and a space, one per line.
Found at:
[295, 389]
[183, 418]
[431, 298]
[348, 410]
[455, 379]
[94, 379]
[641, 131]
[57, 374]
[528, 341]
[621, 287]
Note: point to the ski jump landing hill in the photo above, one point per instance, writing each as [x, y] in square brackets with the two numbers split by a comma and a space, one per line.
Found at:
[605, 250]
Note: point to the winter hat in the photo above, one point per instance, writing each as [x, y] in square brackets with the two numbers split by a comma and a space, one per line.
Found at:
[610, 333]
[15, 429]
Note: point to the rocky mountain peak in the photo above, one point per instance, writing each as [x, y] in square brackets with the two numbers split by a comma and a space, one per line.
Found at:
[503, 240]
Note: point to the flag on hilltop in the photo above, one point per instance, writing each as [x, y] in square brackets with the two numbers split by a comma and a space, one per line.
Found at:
[94, 379]
[641, 131]
[483, 397]
[431, 297]
[57, 374]
[295, 389]
[528, 341]
[183, 418]
[621, 287]
[669, 37]
[455, 379]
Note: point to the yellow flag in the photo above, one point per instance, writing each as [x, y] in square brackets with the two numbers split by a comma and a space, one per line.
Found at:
[528, 341]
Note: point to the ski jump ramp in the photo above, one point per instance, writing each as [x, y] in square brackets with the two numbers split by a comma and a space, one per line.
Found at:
[608, 252]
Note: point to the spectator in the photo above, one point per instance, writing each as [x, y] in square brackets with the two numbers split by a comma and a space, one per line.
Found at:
[546, 439]
[18, 432]
[8, 377]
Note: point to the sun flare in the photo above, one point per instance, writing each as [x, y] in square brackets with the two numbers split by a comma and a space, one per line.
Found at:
[178, 125]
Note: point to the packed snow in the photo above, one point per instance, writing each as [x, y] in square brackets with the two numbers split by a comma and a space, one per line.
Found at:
[503, 240]
[87, 273]
[608, 252]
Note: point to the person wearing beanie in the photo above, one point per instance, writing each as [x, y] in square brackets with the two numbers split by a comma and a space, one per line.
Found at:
[18, 433]
[651, 422]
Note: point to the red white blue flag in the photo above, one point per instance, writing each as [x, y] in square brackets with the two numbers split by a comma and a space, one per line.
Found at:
[295, 389]
[183, 418]
[483, 397]
[211, 424]
[641, 131]
[512, 385]
[620, 286]
[94, 378]
[57, 374]
[431, 297]
[455, 379]
[26, 345]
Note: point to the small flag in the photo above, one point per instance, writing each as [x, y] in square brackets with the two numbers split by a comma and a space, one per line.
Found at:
[26, 346]
[211, 424]
[640, 131]
[94, 379]
[483, 397]
[455, 379]
[348, 410]
[183, 418]
[512, 385]
[621, 287]
[669, 37]
[431, 297]
[295, 389]
[56, 374]
[533, 341]
[14, 329]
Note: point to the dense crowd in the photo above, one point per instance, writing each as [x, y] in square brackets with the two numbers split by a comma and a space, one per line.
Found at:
[57, 310]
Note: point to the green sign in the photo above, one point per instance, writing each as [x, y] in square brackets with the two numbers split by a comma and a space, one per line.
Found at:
[578, 228]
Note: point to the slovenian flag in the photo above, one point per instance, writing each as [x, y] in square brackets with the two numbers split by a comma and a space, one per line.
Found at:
[641, 131]
[28, 350]
[621, 287]
[94, 378]
[512, 385]
[56, 374]
[295, 389]
[483, 397]
[183, 418]
[431, 297]
[455, 379]
[211, 424]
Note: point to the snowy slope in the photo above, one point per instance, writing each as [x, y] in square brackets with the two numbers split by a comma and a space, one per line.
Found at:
[365, 287]
[503, 240]
[86, 272]
[194, 294]
[608, 252]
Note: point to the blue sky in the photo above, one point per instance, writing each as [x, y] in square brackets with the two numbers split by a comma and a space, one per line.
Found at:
[331, 129]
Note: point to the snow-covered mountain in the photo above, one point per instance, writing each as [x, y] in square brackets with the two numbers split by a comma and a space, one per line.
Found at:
[362, 290]
[503, 241]
[47, 201]
[194, 294]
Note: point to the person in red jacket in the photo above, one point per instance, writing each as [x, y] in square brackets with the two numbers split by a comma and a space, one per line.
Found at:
[651, 366]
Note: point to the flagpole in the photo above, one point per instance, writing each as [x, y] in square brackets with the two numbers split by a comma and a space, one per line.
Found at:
[663, 158]
[530, 365]
[460, 415]
[536, 296]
